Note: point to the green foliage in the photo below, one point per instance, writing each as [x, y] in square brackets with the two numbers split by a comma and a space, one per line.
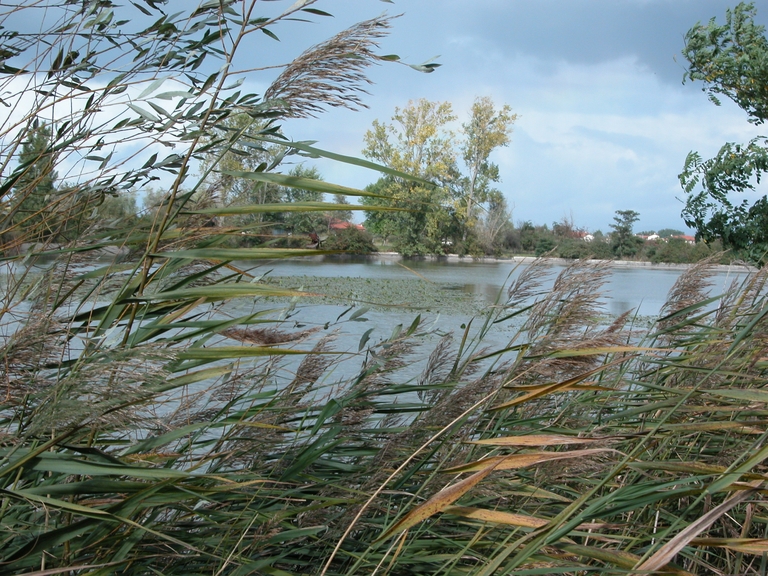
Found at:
[595, 437]
[678, 251]
[731, 60]
[572, 249]
[156, 419]
[32, 206]
[303, 222]
[417, 142]
[623, 241]
[529, 235]
[445, 208]
[600, 249]
[486, 130]
[138, 414]
[350, 240]
[668, 232]
[341, 215]
[543, 245]
[419, 219]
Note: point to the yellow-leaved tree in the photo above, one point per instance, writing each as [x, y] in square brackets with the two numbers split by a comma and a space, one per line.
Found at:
[442, 213]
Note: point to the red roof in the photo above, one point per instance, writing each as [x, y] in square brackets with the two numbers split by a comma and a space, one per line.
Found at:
[340, 225]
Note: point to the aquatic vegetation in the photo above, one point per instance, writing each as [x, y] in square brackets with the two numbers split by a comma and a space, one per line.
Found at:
[384, 293]
[571, 448]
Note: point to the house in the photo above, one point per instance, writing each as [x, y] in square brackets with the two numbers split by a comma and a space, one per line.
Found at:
[342, 225]
[685, 238]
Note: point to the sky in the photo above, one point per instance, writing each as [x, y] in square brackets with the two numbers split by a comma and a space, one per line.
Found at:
[605, 122]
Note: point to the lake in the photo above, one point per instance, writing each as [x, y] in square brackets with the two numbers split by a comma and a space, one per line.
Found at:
[642, 288]
[446, 282]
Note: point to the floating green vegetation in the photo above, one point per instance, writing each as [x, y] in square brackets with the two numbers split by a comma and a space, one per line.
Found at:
[385, 293]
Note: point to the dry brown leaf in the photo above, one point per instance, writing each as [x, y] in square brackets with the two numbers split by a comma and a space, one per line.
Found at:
[757, 546]
[524, 460]
[437, 503]
[522, 520]
[535, 440]
[497, 517]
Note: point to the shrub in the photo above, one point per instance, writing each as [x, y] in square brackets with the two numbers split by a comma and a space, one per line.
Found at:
[351, 240]
[544, 244]
[573, 249]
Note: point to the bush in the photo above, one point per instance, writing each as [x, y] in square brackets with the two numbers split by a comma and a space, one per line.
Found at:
[351, 240]
[572, 249]
[544, 244]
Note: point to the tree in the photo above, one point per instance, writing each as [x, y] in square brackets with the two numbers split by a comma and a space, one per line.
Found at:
[302, 221]
[231, 186]
[32, 200]
[341, 215]
[623, 241]
[134, 100]
[486, 130]
[669, 232]
[497, 221]
[731, 60]
[420, 142]
[351, 240]
[233, 154]
[417, 142]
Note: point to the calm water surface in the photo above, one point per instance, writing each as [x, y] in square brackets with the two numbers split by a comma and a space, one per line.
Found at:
[644, 290]
[641, 289]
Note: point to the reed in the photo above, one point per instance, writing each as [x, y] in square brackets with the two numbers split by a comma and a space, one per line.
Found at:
[147, 427]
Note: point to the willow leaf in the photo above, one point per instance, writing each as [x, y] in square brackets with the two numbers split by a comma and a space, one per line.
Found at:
[307, 147]
[238, 209]
[219, 292]
[299, 183]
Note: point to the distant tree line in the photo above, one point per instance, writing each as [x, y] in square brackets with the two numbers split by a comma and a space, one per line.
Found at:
[41, 207]
[564, 240]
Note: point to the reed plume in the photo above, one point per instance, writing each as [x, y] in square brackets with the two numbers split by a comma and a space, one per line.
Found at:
[329, 74]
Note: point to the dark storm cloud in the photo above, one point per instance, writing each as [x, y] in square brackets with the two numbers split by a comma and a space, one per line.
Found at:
[605, 123]
[588, 31]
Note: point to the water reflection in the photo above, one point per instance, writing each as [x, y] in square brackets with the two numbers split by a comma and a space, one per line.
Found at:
[487, 292]
[642, 289]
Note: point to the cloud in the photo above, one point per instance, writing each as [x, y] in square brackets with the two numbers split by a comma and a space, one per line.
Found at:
[605, 122]
[652, 31]
[591, 138]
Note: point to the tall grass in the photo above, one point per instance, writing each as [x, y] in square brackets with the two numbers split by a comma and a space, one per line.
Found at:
[146, 428]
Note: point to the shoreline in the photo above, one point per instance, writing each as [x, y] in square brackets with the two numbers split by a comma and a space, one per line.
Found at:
[455, 258]
[111, 253]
